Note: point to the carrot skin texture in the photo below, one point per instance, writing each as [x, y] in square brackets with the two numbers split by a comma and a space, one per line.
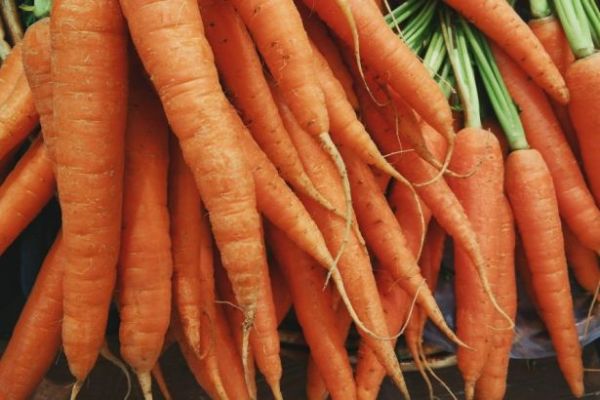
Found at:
[18, 116]
[281, 293]
[583, 262]
[501, 23]
[26, 190]
[305, 279]
[89, 172]
[287, 53]
[531, 194]
[576, 203]
[583, 79]
[10, 70]
[145, 304]
[35, 339]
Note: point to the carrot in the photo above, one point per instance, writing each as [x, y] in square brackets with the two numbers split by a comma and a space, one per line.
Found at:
[318, 34]
[501, 23]
[305, 279]
[583, 262]
[26, 190]
[10, 71]
[250, 92]
[18, 116]
[208, 128]
[543, 131]
[493, 126]
[492, 382]
[390, 58]
[145, 241]
[36, 62]
[552, 37]
[287, 53]
[35, 340]
[89, 166]
[536, 215]
[281, 293]
[354, 264]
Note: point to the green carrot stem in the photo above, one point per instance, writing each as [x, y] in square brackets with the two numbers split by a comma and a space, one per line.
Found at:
[401, 13]
[436, 53]
[505, 109]
[574, 21]
[417, 29]
[593, 15]
[540, 8]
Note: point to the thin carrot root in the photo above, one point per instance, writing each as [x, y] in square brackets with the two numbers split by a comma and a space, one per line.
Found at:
[76, 389]
[276, 390]
[248, 322]
[444, 166]
[469, 390]
[145, 380]
[312, 192]
[432, 373]
[109, 356]
[415, 351]
[161, 382]
[588, 318]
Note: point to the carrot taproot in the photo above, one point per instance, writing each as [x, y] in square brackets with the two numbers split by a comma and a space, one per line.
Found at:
[287, 53]
[583, 261]
[249, 91]
[533, 200]
[35, 340]
[501, 23]
[37, 64]
[551, 35]
[281, 293]
[582, 78]
[305, 279]
[354, 265]
[207, 126]
[10, 70]
[492, 382]
[89, 165]
[18, 116]
[25, 191]
[576, 203]
[391, 58]
[144, 303]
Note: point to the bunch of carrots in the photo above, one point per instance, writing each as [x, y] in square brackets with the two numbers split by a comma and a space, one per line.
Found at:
[220, 162]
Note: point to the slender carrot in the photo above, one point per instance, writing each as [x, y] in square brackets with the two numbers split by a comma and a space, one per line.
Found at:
[391, 58]
[281, 293]
[35, 340]
[243, 76]
[583, 261]
[536, 214]
[26, 190]
[145, 261]
[305, 280]
[501, 23]
[576, 204]
[18, 116]
[11, 69]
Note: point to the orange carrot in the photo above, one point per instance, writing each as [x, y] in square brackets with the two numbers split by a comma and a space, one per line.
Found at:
[18, 116]
[501, 23]
[583, 262]
[35, 340]
[250, 93]
[208, 130]
[389, 56]
[305, 279]
[492, 382]
[583, 79]
[281, 293]
[286, 51]
[11, 69]
[145, 262]
[543, 132]
[26, 190]
[533, 200]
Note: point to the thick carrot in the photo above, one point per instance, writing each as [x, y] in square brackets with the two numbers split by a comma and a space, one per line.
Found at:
[245, 81]
[36, 62]
[551, 35]
[389, 56]
[208, 128]
[89, 165]
[501, 23]
[583, 80]
[286, 51]
[533, 200]
[583, 262]
[316, 317]
[354, 264]
[543, 132]
[145, 262]
[35, 340]
[492, 382]
[26, 190]
[18, 116]
[11, 69]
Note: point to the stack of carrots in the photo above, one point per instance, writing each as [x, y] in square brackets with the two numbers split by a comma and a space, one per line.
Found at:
[220, 162]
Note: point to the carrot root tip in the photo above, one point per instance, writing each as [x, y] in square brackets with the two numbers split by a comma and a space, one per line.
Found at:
[145, 380]
[76, 389]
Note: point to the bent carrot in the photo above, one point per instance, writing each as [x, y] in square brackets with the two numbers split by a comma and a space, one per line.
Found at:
[35, 340]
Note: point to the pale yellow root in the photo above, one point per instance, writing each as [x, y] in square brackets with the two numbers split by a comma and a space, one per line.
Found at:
[76, 388]
[145, 380]
[588, 318]
[248, 322]
[109, 356]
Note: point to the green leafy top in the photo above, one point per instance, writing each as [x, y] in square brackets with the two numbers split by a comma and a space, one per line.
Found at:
[33, 10]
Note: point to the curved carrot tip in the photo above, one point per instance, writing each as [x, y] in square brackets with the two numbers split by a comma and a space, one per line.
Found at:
[400, 383]
[76, 388]
[276, 390]
[145, 380]
[469, 390]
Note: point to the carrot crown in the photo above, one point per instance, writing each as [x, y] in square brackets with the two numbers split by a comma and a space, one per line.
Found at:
[574, 20]
[540, 8]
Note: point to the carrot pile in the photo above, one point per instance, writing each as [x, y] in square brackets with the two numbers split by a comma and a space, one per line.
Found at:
[221, 162]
